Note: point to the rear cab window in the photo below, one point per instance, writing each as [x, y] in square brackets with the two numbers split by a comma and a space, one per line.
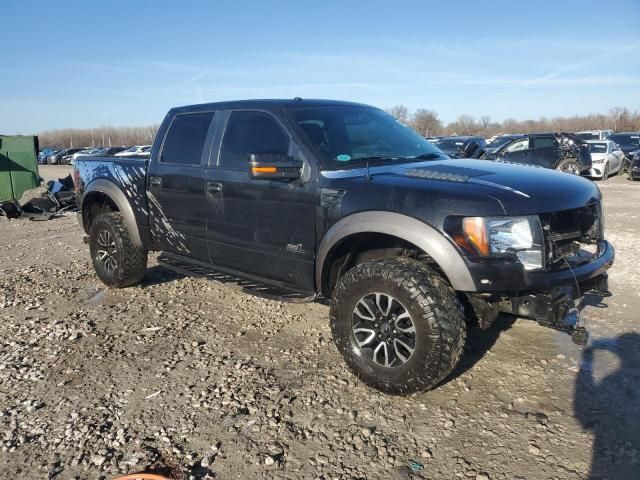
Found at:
[186, 138]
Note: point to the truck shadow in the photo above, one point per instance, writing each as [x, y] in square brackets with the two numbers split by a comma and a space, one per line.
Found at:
[610, 407]
[158, 275]
[478, 343]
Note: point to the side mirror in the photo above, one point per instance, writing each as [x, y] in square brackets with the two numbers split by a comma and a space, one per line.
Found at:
[274, 166]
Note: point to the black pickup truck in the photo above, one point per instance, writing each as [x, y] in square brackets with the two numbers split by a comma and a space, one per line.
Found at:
[313, 199]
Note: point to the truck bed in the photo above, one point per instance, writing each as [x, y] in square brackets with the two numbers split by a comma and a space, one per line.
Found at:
[128, 174]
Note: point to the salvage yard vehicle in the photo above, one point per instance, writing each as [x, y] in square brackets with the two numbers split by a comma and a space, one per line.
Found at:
[628, 141]
[606, 158]
[134, 151]
[594, 134]
[56, 158]
[457, 146]
[500, 140]
[306, 199]
[560, 151]
[634, 167]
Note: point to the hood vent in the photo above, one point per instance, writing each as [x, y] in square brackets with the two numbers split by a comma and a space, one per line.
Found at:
[446, 173]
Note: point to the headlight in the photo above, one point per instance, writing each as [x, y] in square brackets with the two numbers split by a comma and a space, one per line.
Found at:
[505, 237]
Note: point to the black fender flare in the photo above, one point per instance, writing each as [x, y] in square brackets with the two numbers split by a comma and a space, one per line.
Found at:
[118, 197]
[423, 236]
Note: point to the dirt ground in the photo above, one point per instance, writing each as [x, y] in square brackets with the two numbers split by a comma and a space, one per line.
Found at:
[185, 375]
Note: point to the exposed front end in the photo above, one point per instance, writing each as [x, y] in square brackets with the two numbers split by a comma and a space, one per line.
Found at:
[537, 269]
[598, 165]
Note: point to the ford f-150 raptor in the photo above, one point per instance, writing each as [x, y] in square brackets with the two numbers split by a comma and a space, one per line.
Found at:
[314, 199]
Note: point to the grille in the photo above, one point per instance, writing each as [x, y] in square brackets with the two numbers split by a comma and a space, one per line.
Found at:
[572, 236]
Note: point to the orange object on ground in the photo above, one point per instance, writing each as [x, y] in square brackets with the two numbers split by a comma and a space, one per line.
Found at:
[142, 476]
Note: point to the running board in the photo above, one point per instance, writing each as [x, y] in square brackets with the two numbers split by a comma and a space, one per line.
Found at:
[248, 285]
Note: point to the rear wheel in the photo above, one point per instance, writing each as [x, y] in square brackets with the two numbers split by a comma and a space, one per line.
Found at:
[116, 259]
[398, 325]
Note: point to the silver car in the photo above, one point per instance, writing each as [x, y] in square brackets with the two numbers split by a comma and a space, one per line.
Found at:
[606, 158]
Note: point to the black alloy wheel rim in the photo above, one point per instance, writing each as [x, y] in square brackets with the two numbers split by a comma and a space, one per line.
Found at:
[383, 330]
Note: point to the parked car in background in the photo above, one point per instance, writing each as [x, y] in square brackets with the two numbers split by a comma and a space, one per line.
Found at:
[93, 151]
[594, 134]
[56, 158]
[113, 150]
[134, 151]
[634, 166]
[560, 151]
[67, 159]
[628, 141]
[459, 146]
[500, 140]
[145, 152]
[606, 158]
[44, 153]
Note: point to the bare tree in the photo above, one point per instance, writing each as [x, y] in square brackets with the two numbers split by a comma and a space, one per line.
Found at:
[400, 112]
[98, 137]
[426, 122]
[464, 125]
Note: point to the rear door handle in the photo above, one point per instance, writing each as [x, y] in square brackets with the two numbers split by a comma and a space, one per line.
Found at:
[213, 187]
[155, 181]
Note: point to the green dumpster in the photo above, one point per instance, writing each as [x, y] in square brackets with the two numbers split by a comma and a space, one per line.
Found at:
[18, 165]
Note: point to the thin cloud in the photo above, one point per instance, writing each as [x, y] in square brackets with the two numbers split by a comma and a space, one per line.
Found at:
[571, 67]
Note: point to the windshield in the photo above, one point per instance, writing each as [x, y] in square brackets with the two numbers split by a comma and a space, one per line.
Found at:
[598, 147]
[450, 145]
[500, 141]
[588, 136]
[626, 139]
[347, 136]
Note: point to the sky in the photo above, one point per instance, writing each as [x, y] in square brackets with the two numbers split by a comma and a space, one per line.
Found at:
[80, 64]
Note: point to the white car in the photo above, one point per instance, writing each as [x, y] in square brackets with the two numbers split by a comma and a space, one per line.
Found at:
[606, 158]
[86, 153]
[594, 134]
[137, 151]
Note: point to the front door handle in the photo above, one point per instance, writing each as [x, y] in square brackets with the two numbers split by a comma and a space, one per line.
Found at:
[213, 188]
[155, 181]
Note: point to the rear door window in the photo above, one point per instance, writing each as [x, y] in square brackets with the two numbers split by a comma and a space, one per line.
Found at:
[542, 142]
[185, 139]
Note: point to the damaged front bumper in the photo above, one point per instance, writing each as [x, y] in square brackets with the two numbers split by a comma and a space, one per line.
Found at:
[552, 298]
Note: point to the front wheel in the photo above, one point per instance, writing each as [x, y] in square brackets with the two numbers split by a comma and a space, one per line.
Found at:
[116, 259]
[605, 174]
[568, 165]
[398, 324]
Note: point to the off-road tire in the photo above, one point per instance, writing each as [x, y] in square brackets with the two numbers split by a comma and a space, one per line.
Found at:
[130, 261]
[435, 312]
[565, 164]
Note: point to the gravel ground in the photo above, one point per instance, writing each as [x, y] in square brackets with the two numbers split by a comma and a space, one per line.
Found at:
[200, 380]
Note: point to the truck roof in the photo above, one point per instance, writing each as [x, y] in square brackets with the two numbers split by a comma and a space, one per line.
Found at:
[256, 103]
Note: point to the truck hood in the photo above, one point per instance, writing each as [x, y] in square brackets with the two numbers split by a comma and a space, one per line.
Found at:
[520, 189]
